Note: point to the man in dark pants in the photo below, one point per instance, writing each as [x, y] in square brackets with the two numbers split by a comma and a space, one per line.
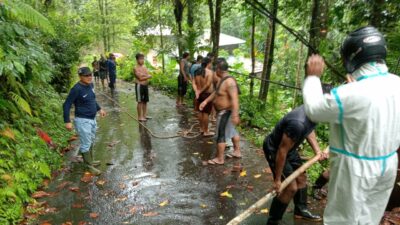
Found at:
[112, 71]
[183, 78]
[280, 148]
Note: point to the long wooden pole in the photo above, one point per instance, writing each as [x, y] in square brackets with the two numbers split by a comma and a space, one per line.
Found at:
[257, 206]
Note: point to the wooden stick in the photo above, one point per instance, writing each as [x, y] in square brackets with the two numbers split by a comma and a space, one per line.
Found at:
[257, 206]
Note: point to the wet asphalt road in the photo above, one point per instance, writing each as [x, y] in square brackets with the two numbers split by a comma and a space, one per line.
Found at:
[157, 181]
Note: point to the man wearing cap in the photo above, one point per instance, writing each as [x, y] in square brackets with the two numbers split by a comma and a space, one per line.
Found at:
[83, 97]
[364, 129]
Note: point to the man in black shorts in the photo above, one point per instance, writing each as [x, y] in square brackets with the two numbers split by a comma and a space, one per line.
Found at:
[141, 87]
[280, 148]
[183, 78]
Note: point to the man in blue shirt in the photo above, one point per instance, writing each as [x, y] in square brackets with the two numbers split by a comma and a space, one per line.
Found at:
[112, 71]
[83, 97]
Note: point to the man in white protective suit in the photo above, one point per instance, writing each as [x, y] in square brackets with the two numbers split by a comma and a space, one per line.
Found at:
[364, 117]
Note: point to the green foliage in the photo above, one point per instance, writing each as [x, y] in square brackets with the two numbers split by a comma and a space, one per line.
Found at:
[25, 14]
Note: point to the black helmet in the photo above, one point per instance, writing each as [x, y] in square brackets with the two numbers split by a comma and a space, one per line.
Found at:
[363, 45]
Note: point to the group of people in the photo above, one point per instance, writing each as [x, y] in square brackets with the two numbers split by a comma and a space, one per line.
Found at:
[105, 70]
[363, 117]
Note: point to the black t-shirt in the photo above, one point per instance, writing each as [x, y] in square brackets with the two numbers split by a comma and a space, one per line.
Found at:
[295, 125]
[103, 65]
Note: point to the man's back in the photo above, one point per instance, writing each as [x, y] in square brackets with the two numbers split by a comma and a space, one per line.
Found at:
[295, 125]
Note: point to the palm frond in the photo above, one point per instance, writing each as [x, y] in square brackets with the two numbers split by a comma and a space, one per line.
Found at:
[22, 103]
[27, 15]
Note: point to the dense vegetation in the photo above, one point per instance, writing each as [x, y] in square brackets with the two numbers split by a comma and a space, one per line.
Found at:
[42, 41]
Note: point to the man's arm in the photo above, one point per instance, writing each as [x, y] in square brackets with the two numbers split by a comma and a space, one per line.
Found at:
[182, 68]
[209, 80]
[234, 96]
[73, 94]
[284, 147]
[205, 102]
[318, 107]
[141, 76]
[312, 141]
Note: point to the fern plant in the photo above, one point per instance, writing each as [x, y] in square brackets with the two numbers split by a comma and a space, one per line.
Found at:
[25, 14]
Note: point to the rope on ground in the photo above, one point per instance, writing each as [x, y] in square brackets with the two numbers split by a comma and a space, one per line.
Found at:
[182, 133]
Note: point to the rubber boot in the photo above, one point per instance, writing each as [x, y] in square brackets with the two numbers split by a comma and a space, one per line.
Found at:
[88, 162]
[300, 206]
[276, 212]
[94, 162]
[318, 193]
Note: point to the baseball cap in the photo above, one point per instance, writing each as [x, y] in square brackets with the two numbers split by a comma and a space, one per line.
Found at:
[84, 71]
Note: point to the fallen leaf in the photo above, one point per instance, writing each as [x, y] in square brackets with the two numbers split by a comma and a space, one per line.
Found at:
[150, 214]
[100, 182]
[264, 211]
[121, 199]
[87, 177]
[113, 143]
[203, 206]
[67, 223]
[243, 173]
[195, 153]
[164, 203]
[250, 187]
[82, 223]
[268, 170]
[77, 206]
[226, 194]
[210, 142]
[133, 210]
[257, 176]
[45, 223]
[74, 189]
[45, 182]
[230, 186]
[63, 185]
[135, 183]
[93, 215]
[122, 186]
[50, 210]
[40, 194]
[237, 168]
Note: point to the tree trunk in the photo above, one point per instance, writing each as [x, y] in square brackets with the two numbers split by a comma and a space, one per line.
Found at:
[217, 27]
[253, 54]
[318, 24]
[191, 40]
[106, 7]
[211, 13]
[268, 55]
[298, 75]
[103, 24]
[215, 20]
[376, 14]
[161, 39]
[178, 12]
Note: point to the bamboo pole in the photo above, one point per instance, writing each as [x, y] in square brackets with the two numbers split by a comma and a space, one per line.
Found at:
[257, 206]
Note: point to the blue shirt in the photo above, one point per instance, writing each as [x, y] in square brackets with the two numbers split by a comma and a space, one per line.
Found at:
[84, 100]
[194, 68]
[111, 67]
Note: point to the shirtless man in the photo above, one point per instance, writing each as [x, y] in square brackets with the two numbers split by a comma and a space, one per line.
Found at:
[226, 101]
[202, 80]
[183, 78]
[141, 87]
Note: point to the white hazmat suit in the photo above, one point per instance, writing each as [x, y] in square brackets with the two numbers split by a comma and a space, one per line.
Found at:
[364, 121]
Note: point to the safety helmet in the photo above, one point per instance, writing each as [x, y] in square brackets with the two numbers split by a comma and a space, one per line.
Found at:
[363, 45]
